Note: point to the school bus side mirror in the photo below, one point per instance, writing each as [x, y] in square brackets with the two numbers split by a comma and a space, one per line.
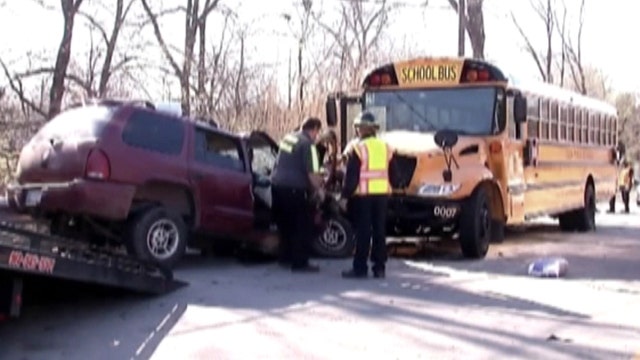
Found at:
[331, 110]
[520, 109]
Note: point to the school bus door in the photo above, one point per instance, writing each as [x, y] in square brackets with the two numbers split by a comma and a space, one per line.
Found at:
[348, 107]
[514, 145]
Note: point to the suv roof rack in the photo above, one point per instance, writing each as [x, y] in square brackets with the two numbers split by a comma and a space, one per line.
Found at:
[113, 102]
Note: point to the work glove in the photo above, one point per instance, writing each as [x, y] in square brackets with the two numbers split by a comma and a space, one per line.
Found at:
[342, 203]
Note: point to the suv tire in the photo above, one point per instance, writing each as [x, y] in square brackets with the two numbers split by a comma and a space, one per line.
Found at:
[158, 236]
[336, 240]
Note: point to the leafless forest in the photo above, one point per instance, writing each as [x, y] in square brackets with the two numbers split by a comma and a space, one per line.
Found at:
[217, 81]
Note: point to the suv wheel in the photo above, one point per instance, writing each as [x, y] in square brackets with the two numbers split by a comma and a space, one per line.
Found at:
[157, 235]
[336, 240]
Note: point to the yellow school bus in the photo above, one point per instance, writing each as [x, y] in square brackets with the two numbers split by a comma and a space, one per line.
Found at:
[479, 149]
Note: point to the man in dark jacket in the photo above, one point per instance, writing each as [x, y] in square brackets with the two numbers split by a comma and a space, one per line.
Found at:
[296, 178]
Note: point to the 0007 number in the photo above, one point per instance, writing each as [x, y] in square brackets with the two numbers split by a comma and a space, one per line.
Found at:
[444, 211]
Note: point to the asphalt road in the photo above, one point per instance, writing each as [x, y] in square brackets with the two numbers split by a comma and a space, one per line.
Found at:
[431, 306]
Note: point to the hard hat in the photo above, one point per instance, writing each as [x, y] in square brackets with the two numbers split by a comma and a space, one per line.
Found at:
[365, 118]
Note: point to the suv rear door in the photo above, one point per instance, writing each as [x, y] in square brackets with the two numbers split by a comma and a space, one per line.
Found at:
[59, 150]
[218, 172]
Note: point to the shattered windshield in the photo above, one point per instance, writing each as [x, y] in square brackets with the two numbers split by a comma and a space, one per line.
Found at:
[469, 111]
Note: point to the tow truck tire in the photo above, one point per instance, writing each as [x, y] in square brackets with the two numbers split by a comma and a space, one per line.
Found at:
[586, 216]
[476, 225]
[157, 235]
[336, 240]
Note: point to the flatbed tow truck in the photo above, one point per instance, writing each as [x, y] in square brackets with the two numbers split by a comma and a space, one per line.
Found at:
[26, 252]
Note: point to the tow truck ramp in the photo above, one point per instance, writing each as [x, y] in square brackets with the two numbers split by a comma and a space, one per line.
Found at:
[26, 253]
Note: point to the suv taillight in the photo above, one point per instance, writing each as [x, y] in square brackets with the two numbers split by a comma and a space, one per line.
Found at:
[98, 166]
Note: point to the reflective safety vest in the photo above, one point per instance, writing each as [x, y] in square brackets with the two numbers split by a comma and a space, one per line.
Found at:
[624, 179]
[288, 143]
[374, 156]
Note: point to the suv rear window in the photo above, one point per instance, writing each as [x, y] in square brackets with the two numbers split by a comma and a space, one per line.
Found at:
[87, 121]
[155, 132]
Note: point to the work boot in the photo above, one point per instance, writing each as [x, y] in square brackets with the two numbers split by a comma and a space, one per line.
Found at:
[378, 273]
[352, 274]
[309, 268]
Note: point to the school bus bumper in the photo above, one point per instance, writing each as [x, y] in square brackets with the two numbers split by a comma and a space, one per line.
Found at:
[421, 211]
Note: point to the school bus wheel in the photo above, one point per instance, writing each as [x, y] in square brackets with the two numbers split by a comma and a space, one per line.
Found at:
[582, 219]
[586, 218]
[476, 224]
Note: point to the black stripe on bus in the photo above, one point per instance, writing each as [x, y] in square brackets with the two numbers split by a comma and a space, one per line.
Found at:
[571, 163]
[522, 188]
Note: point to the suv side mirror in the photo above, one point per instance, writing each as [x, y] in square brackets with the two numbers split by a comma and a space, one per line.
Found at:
[332, 111]
[520, 109]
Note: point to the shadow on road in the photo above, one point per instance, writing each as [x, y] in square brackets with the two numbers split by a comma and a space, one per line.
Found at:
[62, 321]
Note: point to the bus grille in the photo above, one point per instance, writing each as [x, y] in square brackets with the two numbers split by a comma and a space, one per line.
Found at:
[404, 165]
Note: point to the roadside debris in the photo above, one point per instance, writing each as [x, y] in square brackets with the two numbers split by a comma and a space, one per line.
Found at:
[549, 267]
[553, 337]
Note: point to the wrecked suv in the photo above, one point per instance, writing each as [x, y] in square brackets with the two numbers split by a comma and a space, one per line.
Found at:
[120, 173]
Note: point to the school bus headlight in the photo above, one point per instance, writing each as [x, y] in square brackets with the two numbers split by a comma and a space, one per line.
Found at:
[438, 189]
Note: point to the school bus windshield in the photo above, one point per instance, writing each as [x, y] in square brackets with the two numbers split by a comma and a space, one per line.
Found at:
[468, 111]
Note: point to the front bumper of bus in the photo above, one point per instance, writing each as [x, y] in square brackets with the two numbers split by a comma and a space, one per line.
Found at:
[422, 211]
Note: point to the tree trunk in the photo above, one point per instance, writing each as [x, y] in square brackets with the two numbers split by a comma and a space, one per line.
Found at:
[69, 10]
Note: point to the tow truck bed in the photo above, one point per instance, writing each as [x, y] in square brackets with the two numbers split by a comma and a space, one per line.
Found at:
[26, 253]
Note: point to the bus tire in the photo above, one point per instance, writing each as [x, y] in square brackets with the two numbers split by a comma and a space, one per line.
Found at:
[567, 220]
[586, 216]
[476, 225]
[497, 231]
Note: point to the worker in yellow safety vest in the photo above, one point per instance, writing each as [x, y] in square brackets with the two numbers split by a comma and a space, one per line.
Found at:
[625, 183]
[365, 194]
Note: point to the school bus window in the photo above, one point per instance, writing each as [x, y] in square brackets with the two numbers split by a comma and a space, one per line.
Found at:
[578, 117]
[570, 124]
[594, 127]
[607, 131]
[544, 119]
[584, 127]
[563, 121]
[553, 121]
[511, 125]
[591, 125]
[533, 110]
[533, 107]
[603, 129]
[612, 132]
[596, 130]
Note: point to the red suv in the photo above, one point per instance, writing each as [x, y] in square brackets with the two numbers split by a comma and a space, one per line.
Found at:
[118, 172]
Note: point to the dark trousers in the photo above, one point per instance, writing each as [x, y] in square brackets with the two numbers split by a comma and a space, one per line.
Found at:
[624, 192]
[293, 216]
[369, 216]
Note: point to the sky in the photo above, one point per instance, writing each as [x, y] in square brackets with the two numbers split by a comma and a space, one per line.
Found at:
[430, 31]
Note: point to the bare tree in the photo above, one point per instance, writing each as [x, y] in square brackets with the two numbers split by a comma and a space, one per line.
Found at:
[359, 29]
[474, 21]
[302, 33]
[543, 60]
[573, 50]
[194, 19]
[110, 40]
[69, 10]
[629, 123]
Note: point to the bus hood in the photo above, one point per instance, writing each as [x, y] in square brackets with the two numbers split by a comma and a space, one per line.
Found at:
[421, 161]
[416, 143]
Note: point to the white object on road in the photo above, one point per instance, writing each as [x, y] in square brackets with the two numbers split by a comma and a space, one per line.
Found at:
[549, 267]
